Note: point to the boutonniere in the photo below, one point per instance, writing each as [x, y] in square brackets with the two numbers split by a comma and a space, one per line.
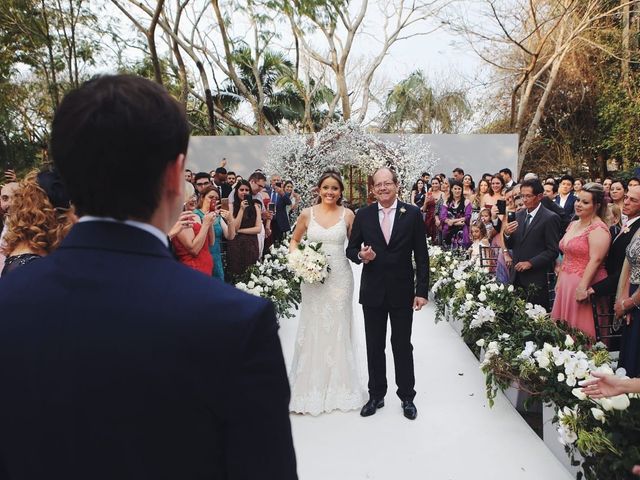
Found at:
[402, 211]
[625, 230]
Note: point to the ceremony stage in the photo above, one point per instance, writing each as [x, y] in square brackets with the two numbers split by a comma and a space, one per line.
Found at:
[455, 437]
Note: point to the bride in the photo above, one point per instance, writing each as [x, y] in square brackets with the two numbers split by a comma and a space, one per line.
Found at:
[324, 374]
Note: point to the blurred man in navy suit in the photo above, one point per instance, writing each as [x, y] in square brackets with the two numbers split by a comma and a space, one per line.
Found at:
[114, 363]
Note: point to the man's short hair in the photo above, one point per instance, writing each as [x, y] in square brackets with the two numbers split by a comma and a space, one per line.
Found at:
[530, 176]
[567, 177]
[201, 175]
[109, 126]
[554, 185]
[507, 171]
[231, 173]
[458, 170]
[187, 170]
[221, 171]
[255, 176]
[534, 184]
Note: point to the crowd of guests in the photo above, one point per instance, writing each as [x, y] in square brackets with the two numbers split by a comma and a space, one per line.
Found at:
[241, 219]
[572, 245]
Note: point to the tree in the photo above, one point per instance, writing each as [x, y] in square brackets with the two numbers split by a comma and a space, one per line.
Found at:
[339, 23]
[534, 40]
[413, 106]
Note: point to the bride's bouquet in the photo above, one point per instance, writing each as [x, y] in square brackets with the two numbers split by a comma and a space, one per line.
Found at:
[309, 263]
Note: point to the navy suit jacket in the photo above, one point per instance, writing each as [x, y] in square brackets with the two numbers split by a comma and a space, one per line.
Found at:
[390, 276]
[569, 205]
[117, 362]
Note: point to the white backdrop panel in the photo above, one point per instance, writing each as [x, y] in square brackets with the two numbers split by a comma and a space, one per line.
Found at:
[476, 154]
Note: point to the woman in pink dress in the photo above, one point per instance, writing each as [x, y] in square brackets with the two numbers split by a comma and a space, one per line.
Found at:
[585, 247]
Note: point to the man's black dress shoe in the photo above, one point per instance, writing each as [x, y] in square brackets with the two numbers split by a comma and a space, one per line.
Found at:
[409, 409]
[371, 406]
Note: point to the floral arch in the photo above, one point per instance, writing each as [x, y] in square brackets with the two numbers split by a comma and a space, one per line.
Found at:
[341, 145]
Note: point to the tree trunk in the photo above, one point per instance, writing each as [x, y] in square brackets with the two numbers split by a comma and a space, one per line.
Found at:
[535, 123]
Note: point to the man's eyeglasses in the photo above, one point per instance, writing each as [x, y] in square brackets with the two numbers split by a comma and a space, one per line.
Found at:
[380, 185]
[202, 184]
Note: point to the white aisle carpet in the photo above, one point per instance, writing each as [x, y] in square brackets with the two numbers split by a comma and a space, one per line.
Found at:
[456, 435]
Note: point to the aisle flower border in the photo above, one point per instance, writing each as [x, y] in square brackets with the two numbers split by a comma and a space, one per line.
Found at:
[520, 345]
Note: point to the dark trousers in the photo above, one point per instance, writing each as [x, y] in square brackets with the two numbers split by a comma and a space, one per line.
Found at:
[536, 293]
[630, 344]
[375, 325]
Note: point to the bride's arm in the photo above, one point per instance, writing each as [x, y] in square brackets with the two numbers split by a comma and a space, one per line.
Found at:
[300, 230]
[348, 218]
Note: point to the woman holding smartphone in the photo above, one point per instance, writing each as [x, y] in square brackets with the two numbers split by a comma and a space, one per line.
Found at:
[209, 201]
[243, 250]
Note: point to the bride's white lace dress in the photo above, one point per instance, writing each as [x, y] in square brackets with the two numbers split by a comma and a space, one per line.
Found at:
[324, 374]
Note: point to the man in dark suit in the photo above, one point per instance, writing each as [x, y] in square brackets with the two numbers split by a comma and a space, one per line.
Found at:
[566, 198]
[534, 237]
[615, 258]
[280, 222]
[383, 237]
[113, 361]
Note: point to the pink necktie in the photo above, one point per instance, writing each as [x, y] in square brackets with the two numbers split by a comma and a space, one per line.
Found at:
[386, 224]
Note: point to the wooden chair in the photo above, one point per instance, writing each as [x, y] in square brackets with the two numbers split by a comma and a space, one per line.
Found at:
[489, 257]
[608, 328]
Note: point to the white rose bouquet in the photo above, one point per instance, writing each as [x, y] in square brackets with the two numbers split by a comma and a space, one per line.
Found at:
[309, 263]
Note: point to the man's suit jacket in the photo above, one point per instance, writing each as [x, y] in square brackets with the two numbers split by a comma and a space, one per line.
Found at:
[281, 217]
[614, 261]
[558, 210]
[390, 275]
[117, 362]
[569, 205]
[539, 244]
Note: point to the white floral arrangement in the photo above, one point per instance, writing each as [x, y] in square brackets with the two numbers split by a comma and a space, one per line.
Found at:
[522, 346]
[309, 263]
[271, 278]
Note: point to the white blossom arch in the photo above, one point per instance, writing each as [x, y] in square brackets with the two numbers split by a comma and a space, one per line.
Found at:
[304, 158]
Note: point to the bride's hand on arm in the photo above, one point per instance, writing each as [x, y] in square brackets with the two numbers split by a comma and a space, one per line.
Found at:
[301, 228]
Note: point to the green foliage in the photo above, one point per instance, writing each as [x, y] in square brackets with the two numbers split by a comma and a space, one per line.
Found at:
[413, 106]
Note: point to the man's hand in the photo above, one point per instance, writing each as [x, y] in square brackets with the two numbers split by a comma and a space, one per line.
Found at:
[419, 302]
[10, 176]
[523, 266]
[511, 227]
[367, 254]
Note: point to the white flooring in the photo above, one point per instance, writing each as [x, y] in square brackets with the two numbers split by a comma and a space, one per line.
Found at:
[456, 435]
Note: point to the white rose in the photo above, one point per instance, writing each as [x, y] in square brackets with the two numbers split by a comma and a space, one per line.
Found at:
[468, 296]
[482, 296]
[620, 402]
[480, 342]
[543, 361]
[568, 341]
[606, 404]
[510, 289]
[598, 414]
[579, 394]
[561, 377]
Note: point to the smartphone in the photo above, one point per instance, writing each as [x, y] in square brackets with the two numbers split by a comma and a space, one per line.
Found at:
[272, 207]
[278, 184]
[511, 217]
[224, 204]
[502, 206]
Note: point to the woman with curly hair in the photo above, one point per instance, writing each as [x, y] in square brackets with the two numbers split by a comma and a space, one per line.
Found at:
[39, 219]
